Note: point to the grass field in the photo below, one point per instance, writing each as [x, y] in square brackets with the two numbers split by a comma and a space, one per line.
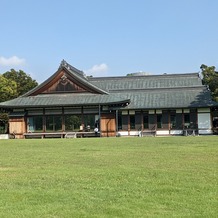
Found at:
[109, 177]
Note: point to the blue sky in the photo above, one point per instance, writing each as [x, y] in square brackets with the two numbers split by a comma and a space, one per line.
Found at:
[108, 37]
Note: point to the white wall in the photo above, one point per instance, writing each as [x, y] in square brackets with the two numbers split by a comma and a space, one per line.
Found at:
[4, 136]
[204, 123]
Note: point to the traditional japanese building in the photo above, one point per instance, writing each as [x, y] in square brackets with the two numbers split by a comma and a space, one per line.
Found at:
[69, 102]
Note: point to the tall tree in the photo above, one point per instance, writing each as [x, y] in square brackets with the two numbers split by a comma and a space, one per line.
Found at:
[24, 82]
[8, 89]
[210, 78]
[3, 122]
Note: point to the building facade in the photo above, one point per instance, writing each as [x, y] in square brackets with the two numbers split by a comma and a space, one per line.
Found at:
[70, 102]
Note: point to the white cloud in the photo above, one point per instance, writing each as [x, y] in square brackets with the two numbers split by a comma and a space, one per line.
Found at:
[12, 61]
[97, 70]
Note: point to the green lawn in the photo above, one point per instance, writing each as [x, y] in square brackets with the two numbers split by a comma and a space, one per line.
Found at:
[109, 177]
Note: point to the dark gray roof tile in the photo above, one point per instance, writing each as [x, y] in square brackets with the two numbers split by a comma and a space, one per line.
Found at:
[148, 82]
[64, 100]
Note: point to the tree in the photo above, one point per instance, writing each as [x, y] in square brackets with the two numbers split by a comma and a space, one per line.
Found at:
[12, 85]
[24, 82]
[3, 123]
[8, 89]
[210, 78]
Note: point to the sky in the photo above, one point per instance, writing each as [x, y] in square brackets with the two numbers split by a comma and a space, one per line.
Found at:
[108, 37]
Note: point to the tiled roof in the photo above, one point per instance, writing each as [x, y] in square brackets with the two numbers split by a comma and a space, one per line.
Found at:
[168, 98]
[64, 100]
[147, 82]
[141, 92]
[77, 74]
[144, 99]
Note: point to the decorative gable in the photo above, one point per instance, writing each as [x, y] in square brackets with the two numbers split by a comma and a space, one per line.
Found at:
[66, 80]
[64, 83]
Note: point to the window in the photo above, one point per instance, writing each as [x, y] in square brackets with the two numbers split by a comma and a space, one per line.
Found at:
[145, 121]
[119, 121]
[53, 123]
[125, 122]
[3, 127]
[132, 121]
[34, 124]
[138, 120]
[187, 120]
[72, 122]
[159, 121]
[89, 122]
[172, 121]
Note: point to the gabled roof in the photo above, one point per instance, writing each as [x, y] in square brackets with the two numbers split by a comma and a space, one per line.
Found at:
[66, 74]
[69, 86]
[66, 87]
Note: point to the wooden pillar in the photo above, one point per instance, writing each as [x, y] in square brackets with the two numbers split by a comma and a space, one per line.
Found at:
[43, 120]
[142, 121]
[99, 119]
[116, 121]
[128, 123]
[63, 120]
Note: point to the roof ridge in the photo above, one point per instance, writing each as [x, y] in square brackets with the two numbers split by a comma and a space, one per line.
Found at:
[145, 76]
[79, 75]
[70, 67]
[157, 89]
